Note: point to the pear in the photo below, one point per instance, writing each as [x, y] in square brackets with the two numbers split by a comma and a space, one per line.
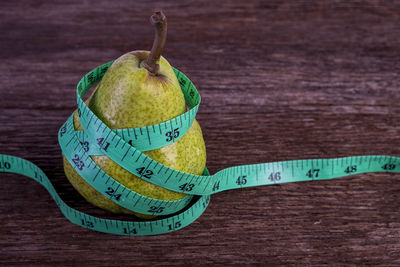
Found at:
[140, 89]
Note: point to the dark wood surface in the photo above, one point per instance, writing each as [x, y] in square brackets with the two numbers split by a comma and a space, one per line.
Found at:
[280, 80]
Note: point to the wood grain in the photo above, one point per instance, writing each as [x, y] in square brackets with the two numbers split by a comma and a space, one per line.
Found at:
[279, 80]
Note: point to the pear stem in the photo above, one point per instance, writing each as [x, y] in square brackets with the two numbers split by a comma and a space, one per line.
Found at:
[159, 21]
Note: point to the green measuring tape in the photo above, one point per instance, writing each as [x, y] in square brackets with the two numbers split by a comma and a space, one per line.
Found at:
[125, 147]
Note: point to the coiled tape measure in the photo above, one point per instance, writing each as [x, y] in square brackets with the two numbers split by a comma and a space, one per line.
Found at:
[125, 147]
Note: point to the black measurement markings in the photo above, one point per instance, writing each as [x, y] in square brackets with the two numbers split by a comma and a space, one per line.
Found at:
[373, 160]
[78, 162]
[155, 166]
[86, 110]
[94, 178]
[206, 186]
[187, 187]
[20, 163]
[242, 179]
[85, 146]
[139, 197]
[273, 169]
[155, 209]
[119, 140]
[63, 130]
[174, 226]
[94, 165]
[125, 154]
[87, 223]
[140, 154]
[72, 138]
[129, 192]
[168, 177]
[181, 177]
[123, 144]
[231, 171]
[38, 176]
[170, 203]
[313, 173]
[148, 135]
[123, 189]
[100, 124]
[256, 171]
[101, 141]
[78, 145]
[170, 134]
[145, 172]
[215, 187]
[291, 167]
[114, 135]
[87, 157]
[389, 166]
[108, 179]
[134, 131]
[129, 231]
[5, 165]
[162, 166]
[112, 193]
[327, 162]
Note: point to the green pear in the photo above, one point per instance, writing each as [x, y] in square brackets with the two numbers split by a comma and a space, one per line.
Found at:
[140, 89]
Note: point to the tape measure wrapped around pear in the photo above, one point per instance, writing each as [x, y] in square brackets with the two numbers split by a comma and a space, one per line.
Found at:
[140, 89]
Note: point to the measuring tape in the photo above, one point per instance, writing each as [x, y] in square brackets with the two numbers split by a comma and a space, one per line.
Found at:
[125, 147]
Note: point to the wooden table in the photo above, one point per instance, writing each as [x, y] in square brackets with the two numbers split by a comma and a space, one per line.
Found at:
[279, 81]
